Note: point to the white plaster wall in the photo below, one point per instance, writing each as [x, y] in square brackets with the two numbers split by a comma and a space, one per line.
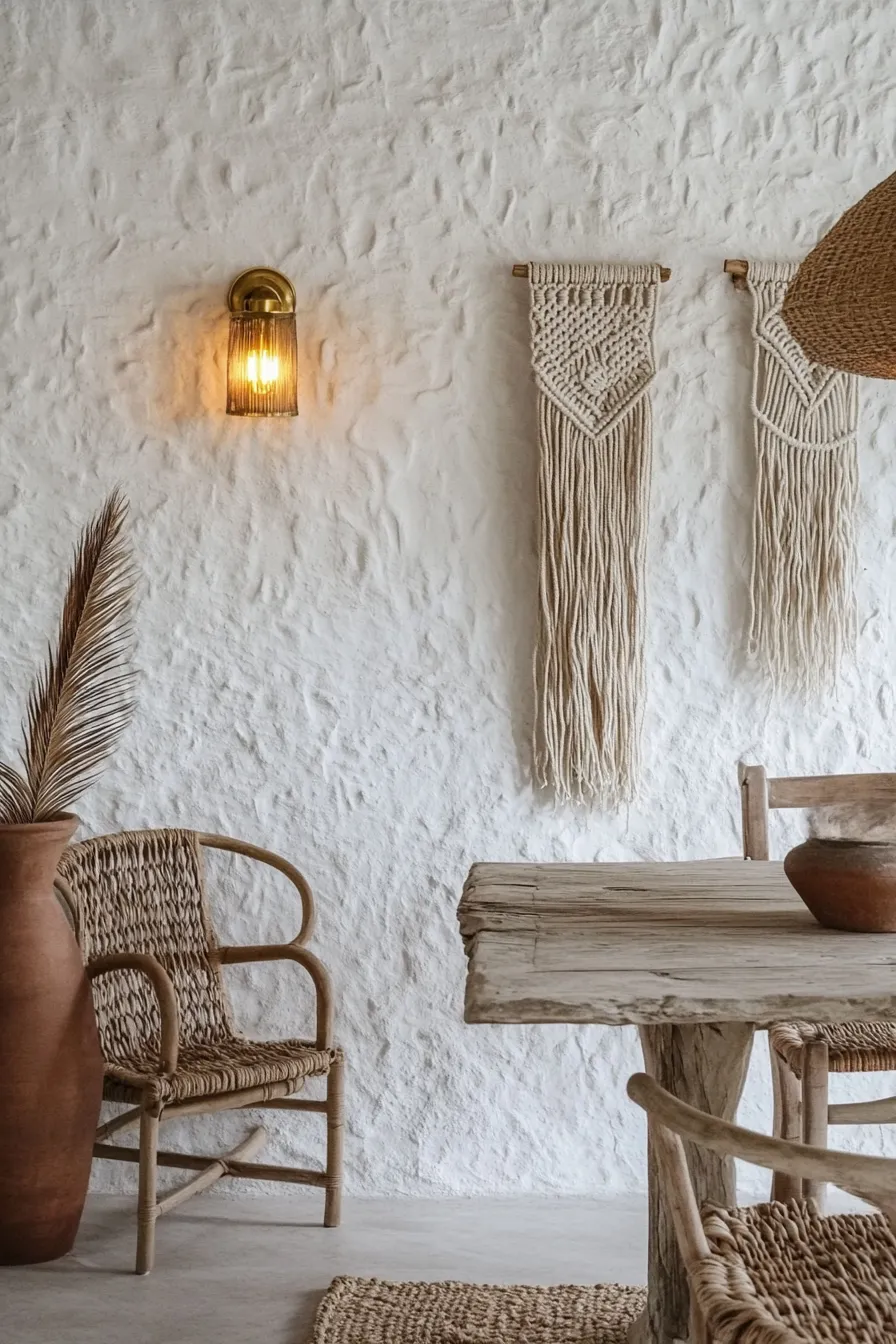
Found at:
[336, 614]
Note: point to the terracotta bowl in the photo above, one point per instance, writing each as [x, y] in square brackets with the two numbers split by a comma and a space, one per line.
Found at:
[847, 884]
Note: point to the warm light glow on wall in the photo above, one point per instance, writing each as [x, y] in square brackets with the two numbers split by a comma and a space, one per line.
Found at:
[261, 359]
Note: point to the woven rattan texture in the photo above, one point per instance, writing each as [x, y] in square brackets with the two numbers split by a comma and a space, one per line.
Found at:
[143, 891]
[782, 1274]
[842, 305]
[853, 1047]
[373, 1311]
[212, 1070]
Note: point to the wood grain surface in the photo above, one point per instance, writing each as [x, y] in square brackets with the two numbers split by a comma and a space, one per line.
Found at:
[718, 940]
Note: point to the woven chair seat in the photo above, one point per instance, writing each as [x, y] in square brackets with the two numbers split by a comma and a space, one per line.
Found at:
[853, 1047]
[209, 1070]
[783, 1274]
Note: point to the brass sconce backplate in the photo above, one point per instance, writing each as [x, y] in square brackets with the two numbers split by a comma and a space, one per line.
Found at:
[261, 290]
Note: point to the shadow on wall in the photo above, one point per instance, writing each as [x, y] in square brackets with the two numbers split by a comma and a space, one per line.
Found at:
[739, 501]
[189, 375]
[504, 395]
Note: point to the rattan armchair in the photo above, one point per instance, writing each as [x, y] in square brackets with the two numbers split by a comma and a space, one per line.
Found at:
[777, 1273]
[140, 911]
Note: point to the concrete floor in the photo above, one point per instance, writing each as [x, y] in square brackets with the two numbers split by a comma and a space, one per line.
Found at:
[252, 1271]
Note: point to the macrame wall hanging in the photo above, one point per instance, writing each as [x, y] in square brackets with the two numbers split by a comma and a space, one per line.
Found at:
[592, 355]
[805, 416]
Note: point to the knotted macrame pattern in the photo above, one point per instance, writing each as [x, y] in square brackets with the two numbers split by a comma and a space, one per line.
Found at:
[592, 355]
[805, 416]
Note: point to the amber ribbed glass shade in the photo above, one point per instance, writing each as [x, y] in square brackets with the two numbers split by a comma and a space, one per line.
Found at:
[261, 364]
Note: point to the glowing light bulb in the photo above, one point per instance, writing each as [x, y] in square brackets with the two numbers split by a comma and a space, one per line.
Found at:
[262, 370]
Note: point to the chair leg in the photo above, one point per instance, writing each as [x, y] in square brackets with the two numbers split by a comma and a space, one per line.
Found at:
[333, 1201]
[815, 1108]
[147, 1203]
[787, 1121]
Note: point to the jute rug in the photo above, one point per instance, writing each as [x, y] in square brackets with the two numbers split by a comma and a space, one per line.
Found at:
[374, 1311]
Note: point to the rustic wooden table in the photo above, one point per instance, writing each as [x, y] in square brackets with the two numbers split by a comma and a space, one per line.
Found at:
[697, 955]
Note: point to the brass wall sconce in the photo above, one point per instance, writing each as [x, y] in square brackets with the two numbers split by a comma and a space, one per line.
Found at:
[262, 354]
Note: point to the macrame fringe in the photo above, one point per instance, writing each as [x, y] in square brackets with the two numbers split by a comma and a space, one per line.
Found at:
[802, 606]
[592, 330]
[589, 668]
[802, 589]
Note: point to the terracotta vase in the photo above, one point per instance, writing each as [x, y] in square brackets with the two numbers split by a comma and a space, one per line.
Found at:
[847, 884]
[50, 1064]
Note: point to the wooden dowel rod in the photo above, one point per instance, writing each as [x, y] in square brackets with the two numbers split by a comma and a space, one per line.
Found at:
[118, 1122]
[738, 269]
[213, 1172]
[293, 1104]
[114, 1152]
[253, 1096]
[227, 1101]
[521, 271]
[207, 1178]
[258, 1171]
[882, 1112]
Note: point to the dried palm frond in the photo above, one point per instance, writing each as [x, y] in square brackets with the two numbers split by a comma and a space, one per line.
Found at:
[81, 701]
[15, 797]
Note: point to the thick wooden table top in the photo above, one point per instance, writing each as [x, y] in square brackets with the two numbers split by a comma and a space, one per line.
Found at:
[721, 940]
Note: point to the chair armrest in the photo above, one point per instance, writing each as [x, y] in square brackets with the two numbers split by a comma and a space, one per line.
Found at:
[273, 861]
[316, 969]
[167, 999]
[871, 1178]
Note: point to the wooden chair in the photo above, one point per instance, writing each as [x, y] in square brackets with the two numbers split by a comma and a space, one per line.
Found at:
[804, 1054]
[140, 911]
[777, 1273]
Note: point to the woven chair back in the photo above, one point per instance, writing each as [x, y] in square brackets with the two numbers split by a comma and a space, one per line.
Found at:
[143, 891]
[841, 306]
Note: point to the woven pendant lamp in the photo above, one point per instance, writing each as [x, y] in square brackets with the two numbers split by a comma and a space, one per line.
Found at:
[841, 305]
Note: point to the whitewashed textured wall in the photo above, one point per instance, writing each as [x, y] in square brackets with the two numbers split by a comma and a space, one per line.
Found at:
[337, 612]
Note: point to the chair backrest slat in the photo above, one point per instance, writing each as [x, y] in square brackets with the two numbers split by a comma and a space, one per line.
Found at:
[760, 795]
[826, 790]
[143, 891]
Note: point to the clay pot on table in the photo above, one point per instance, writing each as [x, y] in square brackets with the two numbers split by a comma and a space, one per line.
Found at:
[846, 884]
[51, 1069]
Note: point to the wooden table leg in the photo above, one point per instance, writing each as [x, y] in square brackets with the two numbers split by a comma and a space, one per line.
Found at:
[705, 1066]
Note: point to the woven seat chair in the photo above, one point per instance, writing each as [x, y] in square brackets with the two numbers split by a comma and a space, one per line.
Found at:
[140, 911]
[777, 1273]
[804, 1054]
